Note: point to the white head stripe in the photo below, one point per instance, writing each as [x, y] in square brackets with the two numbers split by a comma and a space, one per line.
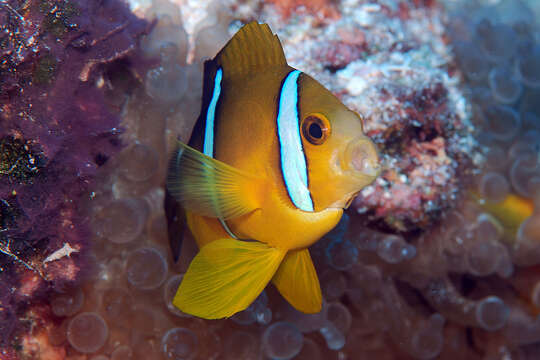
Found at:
[293, 160]
[208, 145]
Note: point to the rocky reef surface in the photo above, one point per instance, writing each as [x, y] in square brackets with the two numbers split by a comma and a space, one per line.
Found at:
[439, 258]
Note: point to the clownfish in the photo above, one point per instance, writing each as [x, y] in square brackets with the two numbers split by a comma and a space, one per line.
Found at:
[511, 212]
[273, 160]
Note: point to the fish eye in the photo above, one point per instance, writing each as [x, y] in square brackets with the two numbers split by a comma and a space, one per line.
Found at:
[316, 129]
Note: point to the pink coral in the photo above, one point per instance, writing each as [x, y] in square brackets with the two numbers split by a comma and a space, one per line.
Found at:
[324, 10]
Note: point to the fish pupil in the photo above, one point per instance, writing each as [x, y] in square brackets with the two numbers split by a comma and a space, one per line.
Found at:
[315, 131]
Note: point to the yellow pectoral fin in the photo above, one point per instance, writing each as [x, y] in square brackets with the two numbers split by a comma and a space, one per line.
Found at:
[209, 187]
[225, 277]
[296, 279]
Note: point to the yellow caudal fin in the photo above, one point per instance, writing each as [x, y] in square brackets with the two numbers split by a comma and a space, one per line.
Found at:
[209, 187]
[296, 279]
[225, 277]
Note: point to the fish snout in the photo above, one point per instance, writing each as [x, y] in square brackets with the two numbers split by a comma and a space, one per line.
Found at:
[361, 157]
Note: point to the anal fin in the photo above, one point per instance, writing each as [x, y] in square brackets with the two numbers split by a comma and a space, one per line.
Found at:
[297, 281]
[225, 277]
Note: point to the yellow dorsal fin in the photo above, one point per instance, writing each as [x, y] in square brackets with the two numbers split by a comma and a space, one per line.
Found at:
[297, 281]
[209, 187]
[225, 277]
[252, 48]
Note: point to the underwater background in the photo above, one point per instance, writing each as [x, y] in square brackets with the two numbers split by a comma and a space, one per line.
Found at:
[438, 259]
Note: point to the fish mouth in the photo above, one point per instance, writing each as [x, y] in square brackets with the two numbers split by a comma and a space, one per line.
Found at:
[360, 158]
[358, 166]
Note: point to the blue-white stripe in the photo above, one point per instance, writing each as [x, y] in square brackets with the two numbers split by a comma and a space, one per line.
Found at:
[293, 160]
[209, 133]
[208, 145]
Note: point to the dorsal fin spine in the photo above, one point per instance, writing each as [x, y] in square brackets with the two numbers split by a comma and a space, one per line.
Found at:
[253, 48]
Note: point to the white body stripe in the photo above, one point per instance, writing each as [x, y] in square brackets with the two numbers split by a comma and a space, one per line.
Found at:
[208, 145]
[293, 160]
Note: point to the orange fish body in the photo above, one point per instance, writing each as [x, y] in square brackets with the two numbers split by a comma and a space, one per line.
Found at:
[273, 160]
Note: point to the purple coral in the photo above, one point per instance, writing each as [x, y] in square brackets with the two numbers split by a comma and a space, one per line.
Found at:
[57, 127]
